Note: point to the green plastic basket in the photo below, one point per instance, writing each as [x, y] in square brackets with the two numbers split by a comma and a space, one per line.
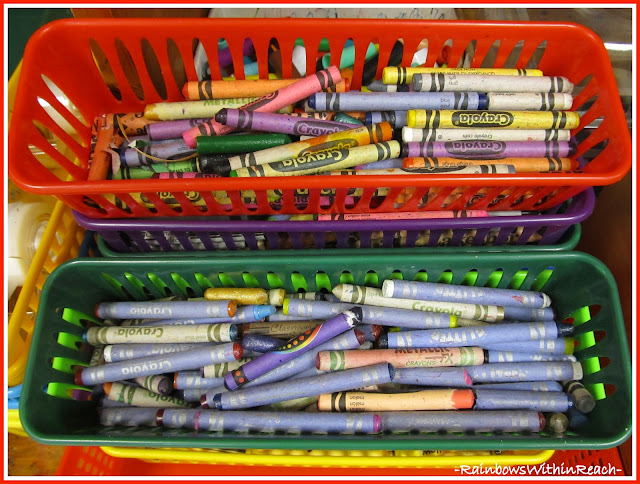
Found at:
[580, 286]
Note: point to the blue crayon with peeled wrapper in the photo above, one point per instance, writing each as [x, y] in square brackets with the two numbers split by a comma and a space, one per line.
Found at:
[530, 371]
[492, 399]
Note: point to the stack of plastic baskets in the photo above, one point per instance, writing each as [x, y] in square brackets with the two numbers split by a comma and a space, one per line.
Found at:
[122, 72]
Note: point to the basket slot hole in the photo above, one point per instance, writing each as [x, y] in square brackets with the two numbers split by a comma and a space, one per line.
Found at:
[370, 66]
[183, 285]
[594, 151]
[609, 389]
[176, 63]
[491, 55]
[63, 99]
[583, 314]
[225, 61]
[66, 365]
[595, 364]
[581, 85]
[71, 341]
[346, 278]
[160, 285]
[536, 56]
[52, 151]
[470, 278]
[397, 52]
[445, 277]
[298, 58]
[421, 276]
[323, 282]
[468, 55]
[225, 280]
[274, 64]
[153, 68]
[512, 59]
[371, 279]
[201, 62]
[250, 280]
[119, 288]
[105, 70]
[299, 282]
[202, 281]
[584, 107]
[446, 54]
[396, 274]
[129, 69]
[518, 279]
[249, 58]
[543, 278]
[274, 281]
[79, 318]
[143, 292]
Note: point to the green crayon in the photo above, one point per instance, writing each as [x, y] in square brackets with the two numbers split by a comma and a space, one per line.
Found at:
[240, 143]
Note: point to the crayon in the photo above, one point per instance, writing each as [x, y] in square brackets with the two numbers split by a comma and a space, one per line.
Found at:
[371, 331]
[372, 296]
[155, 383]
[455, 170]
[307, 296]
[404, 75]
[120, 352]
[527, 101]
[521, 165]
[304, 364]
[277, 296]
[177, 418]
[514, 313]
[240, 142]
[164, 309]
[537, 386]
[278, 123]
[206, 109]
[183, 380]
[97, 356]
[171, 151]
[420, 118]
[398, 119]
[482, 134]
[303, 403]
[242, 295]
[302, 387]
[404, 215]
[271, 102]
[396, 101]
[193, 395]
[530, 371]
[379, 86]
[285, 329]
[193, 165]
[157, 365]
[381, 165]
[396, 402]
[453, 292]
[431, 82]
[495, 356]
[557, 346]
[345, 118]
[558, 422]
[197, 333]
[577, 420]
[162, 130]
[384, 316]
[200, 90]
[219, 370]
[490, 399]
[178, 321]
[474, 336]
[139, 397]
[433, 377]
[581, 397]
[261, 343]
[364, 135]
[294, 347]
[131, 124]
[463, 421]
[492, 150]
[315, 163]
[408, 358]
[286, 422]
[128, 416]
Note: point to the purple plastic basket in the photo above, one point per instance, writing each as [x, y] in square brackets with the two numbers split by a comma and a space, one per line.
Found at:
[153, 235]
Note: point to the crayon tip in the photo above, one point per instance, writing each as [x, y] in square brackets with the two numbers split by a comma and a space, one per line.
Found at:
[237, 351]
[233, 331]
[376, 330]
[221, 167]
[96, 310]
[107, 387]
[77, 378]
[217, 401]
[357, 312]
[383, 342]
[175, 381]
[392, 371]
[463, 399]
[360, 336]
[189, 139]
[543, 421]
[262, 311]
[564, 329]
[467, 377]
[285, 306]
[159, 415]
[312, 101]
[337, 291]
[232, 308]
[377, 423]
[203, 401]
[221, 116]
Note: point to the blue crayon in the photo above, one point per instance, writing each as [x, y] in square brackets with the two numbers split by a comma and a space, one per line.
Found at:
[294, 347]
[396, 101]
[462, 421]
[371, 331]
[398, 119]
[261, 343]
[557, 346]
[381, 165]
[530, 314]
[289, 422]
[165, 309]
[180, 321]
[128, 416]
[113, 353]
[535, 386]
[577, 419]
[496, 356]
[531, 371]
[279, 317]
[303, 387]
[183, 380]
[433, 377]
[472, 336]
[490, 399]
[244, 314]
[433, 291]
[185, 418]
[156, 365]
[193, 395]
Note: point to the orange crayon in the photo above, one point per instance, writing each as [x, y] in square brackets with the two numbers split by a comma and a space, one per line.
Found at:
[390, 402]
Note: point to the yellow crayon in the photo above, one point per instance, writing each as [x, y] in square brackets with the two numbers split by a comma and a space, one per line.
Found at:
[242, 295]
[404, 75]
[421, 118]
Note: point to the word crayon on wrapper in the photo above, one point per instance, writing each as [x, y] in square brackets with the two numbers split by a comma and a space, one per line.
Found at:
[420, 118]
[489, 149]
[404, 75]
[481, 134]
[157, 365]
[372, 402]
[294, 347]
[165, 309]
[196, 333]
[396, 101]
[285, 329]
[430, 82]
[272, 102]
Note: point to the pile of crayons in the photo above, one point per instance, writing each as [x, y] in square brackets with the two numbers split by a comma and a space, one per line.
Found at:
[408, 357]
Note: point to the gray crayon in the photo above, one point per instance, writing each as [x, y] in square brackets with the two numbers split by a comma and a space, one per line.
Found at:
[581, 397]
[302, 387]
[490, 399]
[193, 395]
[128, 416]
[531, 371]
[577, 420]
[558, 422]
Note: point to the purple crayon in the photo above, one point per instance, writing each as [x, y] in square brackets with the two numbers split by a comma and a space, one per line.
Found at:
[433, 291]
[302, 387]
[382, 164]
[472, 336]
[514, 313]
[156, 365]
[557, 346]
[402, 101]
[536, 386]
[278, 123]
[168, 150]
[166, 309]
[171, 129]
[496, 356]
[492, 150]
[462, 421]
[113, 353]
[261, 343]
[183, 380]
[168, 417]
[128, 416]
[294, 347]
[178, 321]
[433, 377]
[490, 399]
[530, 371]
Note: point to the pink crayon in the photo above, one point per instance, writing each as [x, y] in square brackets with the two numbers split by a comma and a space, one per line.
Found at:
[271, 102]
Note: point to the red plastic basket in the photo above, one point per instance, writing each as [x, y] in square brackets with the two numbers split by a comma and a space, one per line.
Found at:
[148, 61]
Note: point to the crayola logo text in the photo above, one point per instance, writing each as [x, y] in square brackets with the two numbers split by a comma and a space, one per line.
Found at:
[475, 147]
[312, 160]
[483, 119]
